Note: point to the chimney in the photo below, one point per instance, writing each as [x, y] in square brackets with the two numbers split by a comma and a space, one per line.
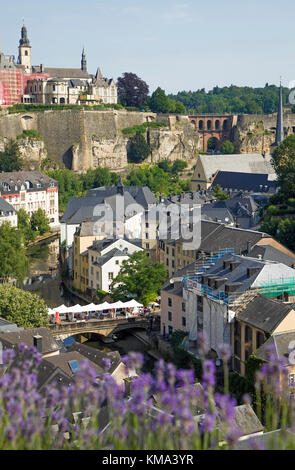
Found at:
[38, 343]
[42, 68]
[249, 246]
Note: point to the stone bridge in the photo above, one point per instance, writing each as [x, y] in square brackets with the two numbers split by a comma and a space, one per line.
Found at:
[215, 126]
[101, 327]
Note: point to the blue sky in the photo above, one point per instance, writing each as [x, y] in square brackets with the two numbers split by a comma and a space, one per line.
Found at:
[178, 45]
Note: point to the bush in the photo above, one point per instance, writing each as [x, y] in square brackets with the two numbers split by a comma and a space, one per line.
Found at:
[29, 133]
[143, 127]
[25, 309]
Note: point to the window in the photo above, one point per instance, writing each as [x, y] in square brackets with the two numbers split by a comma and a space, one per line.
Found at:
[169, 316]
[259, 339]
[248, 334]
[117, 261]
[146, 235]
[183, 321]
[169, 302]
[147, 245]
[183, 306]
[111, 276]
[170, 330]
[238, 348]
[147, 225]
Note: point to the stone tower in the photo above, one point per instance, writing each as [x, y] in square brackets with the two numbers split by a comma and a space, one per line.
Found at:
[25, 51]
[280, 120]
[83, 61]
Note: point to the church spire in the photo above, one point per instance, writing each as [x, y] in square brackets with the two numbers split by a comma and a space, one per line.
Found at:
[24, 41]
[83, 61]
[120, 186]
[280, 119]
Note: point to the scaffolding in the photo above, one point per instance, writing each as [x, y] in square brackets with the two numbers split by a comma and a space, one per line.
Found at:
[278, 287]
[283, 287]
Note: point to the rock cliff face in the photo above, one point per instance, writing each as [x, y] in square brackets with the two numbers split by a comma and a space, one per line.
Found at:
[253, 138]
[256, 133]
[87, 139]
[32, 152]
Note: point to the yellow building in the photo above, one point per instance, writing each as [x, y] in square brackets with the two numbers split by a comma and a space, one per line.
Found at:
[258, 320]
[83, 238]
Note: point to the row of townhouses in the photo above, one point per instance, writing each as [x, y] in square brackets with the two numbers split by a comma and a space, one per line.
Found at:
[28, 190]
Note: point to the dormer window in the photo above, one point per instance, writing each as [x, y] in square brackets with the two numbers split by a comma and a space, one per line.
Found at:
[6, 187]
[28, 184]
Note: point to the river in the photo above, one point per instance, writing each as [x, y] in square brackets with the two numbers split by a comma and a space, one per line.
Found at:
[44, 264]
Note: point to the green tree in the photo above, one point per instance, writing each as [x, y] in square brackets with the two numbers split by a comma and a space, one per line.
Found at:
[178, 166]
[24, 225]
[283, 161]
[10, 159]
[139, 278]
[219, 194]
[13, 261]
[138, 149]
[227, 147]
[159, 102]
[23, 308]
[40, 222]
[180, 108]
[212, 143]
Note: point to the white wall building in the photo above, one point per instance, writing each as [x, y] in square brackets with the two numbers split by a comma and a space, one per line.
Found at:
[105, 261]
[31, 190]
[7, 213]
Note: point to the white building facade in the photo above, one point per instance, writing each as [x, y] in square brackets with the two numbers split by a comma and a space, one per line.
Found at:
[31, 190]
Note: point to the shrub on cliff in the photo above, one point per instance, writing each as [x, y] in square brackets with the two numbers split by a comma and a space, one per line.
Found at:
[10, 159]
[138, 149]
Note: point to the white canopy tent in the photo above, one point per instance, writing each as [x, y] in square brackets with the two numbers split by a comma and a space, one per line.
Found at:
[61, 309]
[132, 304]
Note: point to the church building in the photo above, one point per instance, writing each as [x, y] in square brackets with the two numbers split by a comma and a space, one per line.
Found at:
[23, 82]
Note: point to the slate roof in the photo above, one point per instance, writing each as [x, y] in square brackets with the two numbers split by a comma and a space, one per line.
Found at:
[109, 255]
[217, 214]
[56, 72]
[7, 327]
[14, 338]
[280, 343]
[96, 356]
[17, 178]
[62, 362]
[216, 236]
[269, 252]
[264, 313]
[6, 208]
[265, 272]
[237, 181]
[79, 209]
[242, 163]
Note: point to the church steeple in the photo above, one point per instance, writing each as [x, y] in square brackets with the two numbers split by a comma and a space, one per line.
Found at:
[120, 187]
[24, 41]
[280, 120]
[24, 51]
[83, 61]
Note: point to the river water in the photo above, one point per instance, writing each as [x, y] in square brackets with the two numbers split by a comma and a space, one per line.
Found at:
[44, 265]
